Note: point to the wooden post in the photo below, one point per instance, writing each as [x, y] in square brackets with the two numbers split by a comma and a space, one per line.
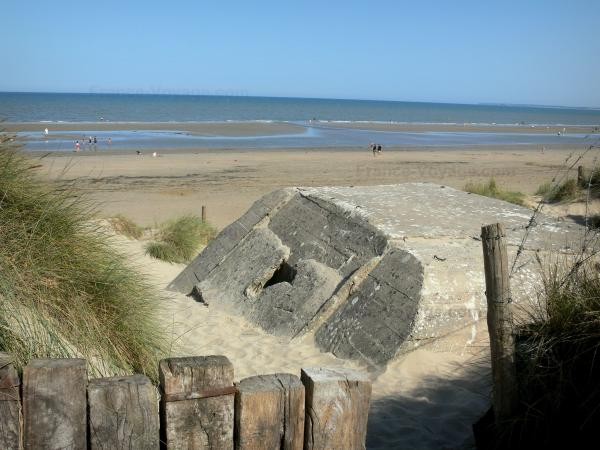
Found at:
[499, 320]
[10, 405]
[203, 213]
[580, 176]
[269, 413]
[197, 402]
[337, 408]
[54, 404]
[123, 413]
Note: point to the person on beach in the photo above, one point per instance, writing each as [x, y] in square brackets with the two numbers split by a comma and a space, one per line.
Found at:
[45, 131]
[109, 141]
[77, 145]
[379, 148]
[373, 148]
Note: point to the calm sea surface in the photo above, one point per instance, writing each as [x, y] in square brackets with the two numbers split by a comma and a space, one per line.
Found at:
[94, 108]
[34, 107]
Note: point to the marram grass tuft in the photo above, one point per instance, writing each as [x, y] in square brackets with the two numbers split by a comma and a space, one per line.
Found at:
[180, 240]
[64, 289]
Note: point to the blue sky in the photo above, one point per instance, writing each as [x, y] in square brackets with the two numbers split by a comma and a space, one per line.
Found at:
[531, 52]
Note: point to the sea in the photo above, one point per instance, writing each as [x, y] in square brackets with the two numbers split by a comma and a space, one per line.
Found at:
[317, 117]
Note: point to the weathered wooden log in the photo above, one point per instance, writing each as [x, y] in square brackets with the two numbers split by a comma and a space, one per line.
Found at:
[269, 413]
[10, 404]
[197, 402]
[499, 320]
[123, 413]
[337, 408]
[54, 404]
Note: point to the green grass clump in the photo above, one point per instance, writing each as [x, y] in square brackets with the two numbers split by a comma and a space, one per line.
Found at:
[568, 190]
[591, 180]
[491, 189]
[64, 289]
[180, 240]
[557, 361]
[544, 189]
[125, 226]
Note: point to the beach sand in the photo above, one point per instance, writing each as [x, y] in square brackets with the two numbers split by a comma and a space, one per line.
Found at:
[152, 189]
[427, 399]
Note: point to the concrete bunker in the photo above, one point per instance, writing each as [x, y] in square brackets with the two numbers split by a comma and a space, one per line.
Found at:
[369, 271]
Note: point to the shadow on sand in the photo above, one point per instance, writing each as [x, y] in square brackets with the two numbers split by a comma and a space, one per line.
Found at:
[438, 414]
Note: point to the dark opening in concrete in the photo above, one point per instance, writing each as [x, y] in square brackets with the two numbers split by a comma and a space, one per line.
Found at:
[284, 274]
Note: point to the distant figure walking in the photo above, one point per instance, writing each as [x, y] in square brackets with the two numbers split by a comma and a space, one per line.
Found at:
[77, 146]
[378, 148]
[373, 148]
[45, 131]
[109, 141]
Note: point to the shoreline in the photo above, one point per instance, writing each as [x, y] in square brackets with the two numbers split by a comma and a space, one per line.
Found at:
[275, 127]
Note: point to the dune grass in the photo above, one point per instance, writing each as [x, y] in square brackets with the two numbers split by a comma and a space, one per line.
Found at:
[491, 189]
[558, 347]
[179, 241]
[567, 190]
[571, 189]
[125, 226]
[544, 189]
[64, 290]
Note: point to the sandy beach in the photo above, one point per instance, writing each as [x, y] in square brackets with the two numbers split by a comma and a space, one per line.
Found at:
[152, 189]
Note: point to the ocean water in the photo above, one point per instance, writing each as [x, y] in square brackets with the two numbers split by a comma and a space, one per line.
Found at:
[36, 107]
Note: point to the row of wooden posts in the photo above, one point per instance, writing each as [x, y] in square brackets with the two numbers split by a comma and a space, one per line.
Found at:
[200, 407]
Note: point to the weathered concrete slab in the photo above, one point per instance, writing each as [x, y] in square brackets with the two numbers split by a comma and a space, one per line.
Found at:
[229, 238]
[371, 271]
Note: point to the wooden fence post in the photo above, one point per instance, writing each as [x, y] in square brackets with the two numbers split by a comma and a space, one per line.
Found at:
[269, 413]
[10, 405]
[203, 213]
[123, 413]
[197, 402]
[337, 408]
[54, 404]
[499, 320]
[580, 176]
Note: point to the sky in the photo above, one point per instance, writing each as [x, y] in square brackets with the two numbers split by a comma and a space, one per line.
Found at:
[521, 52]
